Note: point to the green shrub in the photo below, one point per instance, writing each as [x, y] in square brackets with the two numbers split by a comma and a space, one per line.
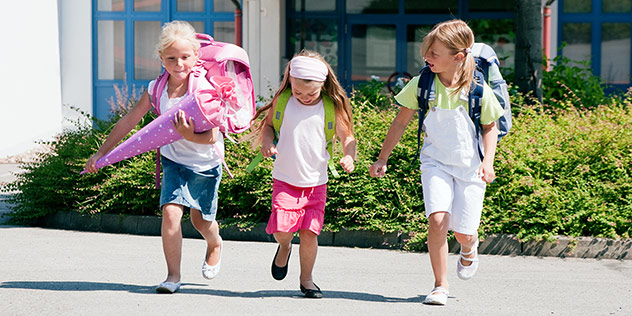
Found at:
[561, 171]
[564, 172]
[52, 182]
[571, 84]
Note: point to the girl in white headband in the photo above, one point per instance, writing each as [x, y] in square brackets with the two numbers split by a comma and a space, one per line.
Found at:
[299, 189]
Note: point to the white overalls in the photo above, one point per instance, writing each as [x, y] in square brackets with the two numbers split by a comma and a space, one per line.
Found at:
[449, 169]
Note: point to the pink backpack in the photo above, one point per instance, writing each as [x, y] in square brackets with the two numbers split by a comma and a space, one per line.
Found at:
[218, 63]
[227, 60]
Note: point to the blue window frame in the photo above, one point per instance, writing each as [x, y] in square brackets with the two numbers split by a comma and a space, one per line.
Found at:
[124, 36]
[599, 32]
[382, 37]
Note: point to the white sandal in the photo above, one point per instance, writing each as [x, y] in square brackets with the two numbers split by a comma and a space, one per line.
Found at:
[467, 272]
[210, 272]
[438, 296]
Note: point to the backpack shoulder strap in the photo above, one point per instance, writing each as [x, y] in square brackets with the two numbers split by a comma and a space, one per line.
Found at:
[475, 106]
[159, 86]
[279, 109]
[330, 118]
[330, 131]
[424, 89]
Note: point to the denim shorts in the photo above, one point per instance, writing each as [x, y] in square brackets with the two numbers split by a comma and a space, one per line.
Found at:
[196, 190]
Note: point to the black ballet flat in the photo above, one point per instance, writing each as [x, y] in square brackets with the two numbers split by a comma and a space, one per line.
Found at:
[279, 273]
[309, 293]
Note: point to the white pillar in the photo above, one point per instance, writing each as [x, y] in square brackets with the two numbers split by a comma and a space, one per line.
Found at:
[262, 40]
[75, 27]
[30, 85]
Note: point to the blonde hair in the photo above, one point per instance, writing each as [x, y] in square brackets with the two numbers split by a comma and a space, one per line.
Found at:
[458, 37]
[177, 30]
[330, 87]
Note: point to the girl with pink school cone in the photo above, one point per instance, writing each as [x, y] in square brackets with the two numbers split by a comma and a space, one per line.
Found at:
[453, 175]
[299, 189]
[192, 167]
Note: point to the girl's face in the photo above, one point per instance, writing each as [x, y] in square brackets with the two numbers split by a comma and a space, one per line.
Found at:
[441, 59]
[179, 59]
[306, 92]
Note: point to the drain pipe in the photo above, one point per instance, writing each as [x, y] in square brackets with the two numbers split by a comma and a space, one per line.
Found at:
[237, 22]
[546, 34]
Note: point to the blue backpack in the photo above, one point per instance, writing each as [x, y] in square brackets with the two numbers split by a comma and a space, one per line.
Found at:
[486, 66]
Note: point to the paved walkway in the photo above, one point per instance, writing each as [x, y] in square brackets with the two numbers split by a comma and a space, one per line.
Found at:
[58, 272]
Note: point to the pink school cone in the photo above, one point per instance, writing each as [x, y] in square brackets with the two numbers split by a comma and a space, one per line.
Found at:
[160, 131]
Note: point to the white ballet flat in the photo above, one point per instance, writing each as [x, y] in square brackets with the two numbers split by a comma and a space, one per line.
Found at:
[438, 296]
[210, 272]
[168, 287]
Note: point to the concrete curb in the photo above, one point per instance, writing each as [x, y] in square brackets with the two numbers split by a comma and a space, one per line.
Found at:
[508, 245]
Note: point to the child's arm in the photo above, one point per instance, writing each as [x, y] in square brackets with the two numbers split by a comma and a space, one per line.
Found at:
[490, 137]
[395, 132]
[121, 128]
[348, 146]
[187, 130]
[268, 149]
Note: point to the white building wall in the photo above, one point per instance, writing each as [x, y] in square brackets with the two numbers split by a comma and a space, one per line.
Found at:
[30, 86]
[262, 38]
[75, 42]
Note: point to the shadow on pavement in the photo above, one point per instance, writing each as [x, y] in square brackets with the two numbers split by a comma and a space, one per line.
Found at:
[143, 289]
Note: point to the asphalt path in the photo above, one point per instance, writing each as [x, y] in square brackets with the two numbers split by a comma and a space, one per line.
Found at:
[58, 272]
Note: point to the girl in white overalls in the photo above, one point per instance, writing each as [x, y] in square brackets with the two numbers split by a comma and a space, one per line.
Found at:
[452, 174]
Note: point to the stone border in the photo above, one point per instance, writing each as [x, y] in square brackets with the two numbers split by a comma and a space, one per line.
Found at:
[508, 245]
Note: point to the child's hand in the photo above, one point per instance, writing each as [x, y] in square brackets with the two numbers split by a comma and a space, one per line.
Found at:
[184, 127]
[347, 163]
[268, 150]
[92, 162]
[378, 168]
[486, 172]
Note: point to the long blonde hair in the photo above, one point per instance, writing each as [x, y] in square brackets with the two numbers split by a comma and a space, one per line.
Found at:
[458, 37]
[331, 87]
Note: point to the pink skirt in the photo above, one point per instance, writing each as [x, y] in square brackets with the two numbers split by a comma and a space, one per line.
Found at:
[296, 208]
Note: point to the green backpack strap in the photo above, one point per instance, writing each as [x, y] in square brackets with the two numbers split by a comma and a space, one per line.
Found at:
[330, 128]
[277, 119]
[279, 110]
[330, 131]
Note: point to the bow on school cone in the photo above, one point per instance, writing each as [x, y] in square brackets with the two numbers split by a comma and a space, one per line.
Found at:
[207, 107]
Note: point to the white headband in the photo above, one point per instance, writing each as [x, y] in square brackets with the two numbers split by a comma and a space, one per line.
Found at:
[307, 68]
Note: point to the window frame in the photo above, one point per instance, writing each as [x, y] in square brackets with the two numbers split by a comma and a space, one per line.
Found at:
[595, 18]
[104, 89]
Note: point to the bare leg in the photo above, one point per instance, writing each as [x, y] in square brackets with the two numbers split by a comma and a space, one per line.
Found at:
[467, 243]
[171, 232]
[438, 247]
[307, 253]
[285, 244]
[210, 232]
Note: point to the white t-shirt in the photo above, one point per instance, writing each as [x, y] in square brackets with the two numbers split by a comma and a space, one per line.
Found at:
[303, 157]
[197, 157]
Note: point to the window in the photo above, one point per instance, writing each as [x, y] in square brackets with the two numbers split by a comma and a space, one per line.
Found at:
[597, 33]
[126, 35]
[365, 38]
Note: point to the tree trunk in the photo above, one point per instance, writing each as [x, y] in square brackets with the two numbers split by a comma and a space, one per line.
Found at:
[528, 65]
